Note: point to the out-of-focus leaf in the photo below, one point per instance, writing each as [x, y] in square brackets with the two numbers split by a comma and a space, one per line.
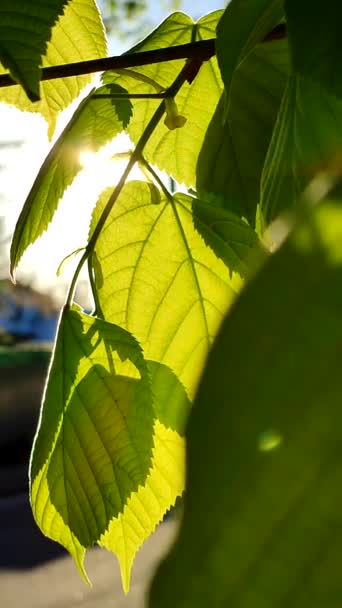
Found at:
[175, 151]
[94, 443]
[25, 29]
[77, 36]
[315, 41]
[262, 512]
[94, 123]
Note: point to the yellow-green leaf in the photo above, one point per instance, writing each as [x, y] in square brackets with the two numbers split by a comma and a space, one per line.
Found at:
[77, 36]
[176, 150]
[94, 443]
[160, 280]
[25, 28]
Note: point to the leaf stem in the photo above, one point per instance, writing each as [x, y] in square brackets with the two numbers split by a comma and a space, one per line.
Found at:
[130, 96]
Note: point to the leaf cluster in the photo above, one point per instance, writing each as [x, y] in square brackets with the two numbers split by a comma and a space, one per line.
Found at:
[206, 328]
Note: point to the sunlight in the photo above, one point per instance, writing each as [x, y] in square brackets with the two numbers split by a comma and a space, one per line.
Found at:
[69, 228]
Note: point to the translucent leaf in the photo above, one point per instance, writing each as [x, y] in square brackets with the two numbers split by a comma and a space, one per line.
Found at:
[233, 153]
[240, 30]
[308, 21]
[94, 443]
[262, 513]
[94, 123]
[146, 507]
[306, 141]
[160, 281]
[175, 151]
[25, 28]
[77, 36]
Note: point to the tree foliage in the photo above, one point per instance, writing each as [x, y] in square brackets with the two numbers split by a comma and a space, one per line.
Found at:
[202, 334]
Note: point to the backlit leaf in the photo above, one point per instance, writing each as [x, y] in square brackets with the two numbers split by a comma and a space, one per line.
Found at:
[94, 123]
[159, 279]
[77, 36]
[94, 443]
[262, 512]
[175, 150]
[25, 28]
[146, 507]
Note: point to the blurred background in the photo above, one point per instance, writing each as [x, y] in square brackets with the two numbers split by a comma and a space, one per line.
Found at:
[35, 572]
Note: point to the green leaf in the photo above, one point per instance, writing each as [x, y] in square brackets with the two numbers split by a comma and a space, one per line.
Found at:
[77, 36]
[231, 239]
[305, 142]
[96, 121]
[175, 151]
[159, 279]
[240, 29]
[146, 507]
[94, 443]
[315, 41]
[25, 28]
[233, 153]
[262, 513]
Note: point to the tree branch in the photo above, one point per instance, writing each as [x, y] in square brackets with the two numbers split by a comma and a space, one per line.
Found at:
[201, 50]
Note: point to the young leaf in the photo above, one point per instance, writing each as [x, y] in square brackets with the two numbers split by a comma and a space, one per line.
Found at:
[306, 141]
[77, 36]
[239, 30]
[94, 443]
[262, 512]
[25, 29]
[176, 150]
[315, 41]
[159, 279]
[94, 123]
[231, 159]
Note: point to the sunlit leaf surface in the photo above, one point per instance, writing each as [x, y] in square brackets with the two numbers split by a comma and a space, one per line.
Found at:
[161, 281]
[95, 439]
[77, 36]
[25, 28]
[175, 151]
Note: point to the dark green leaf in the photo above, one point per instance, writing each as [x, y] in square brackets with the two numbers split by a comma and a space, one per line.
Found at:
[233, 153]
[306, 141]
[263, 508]
[242, 26]
[314, 31]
